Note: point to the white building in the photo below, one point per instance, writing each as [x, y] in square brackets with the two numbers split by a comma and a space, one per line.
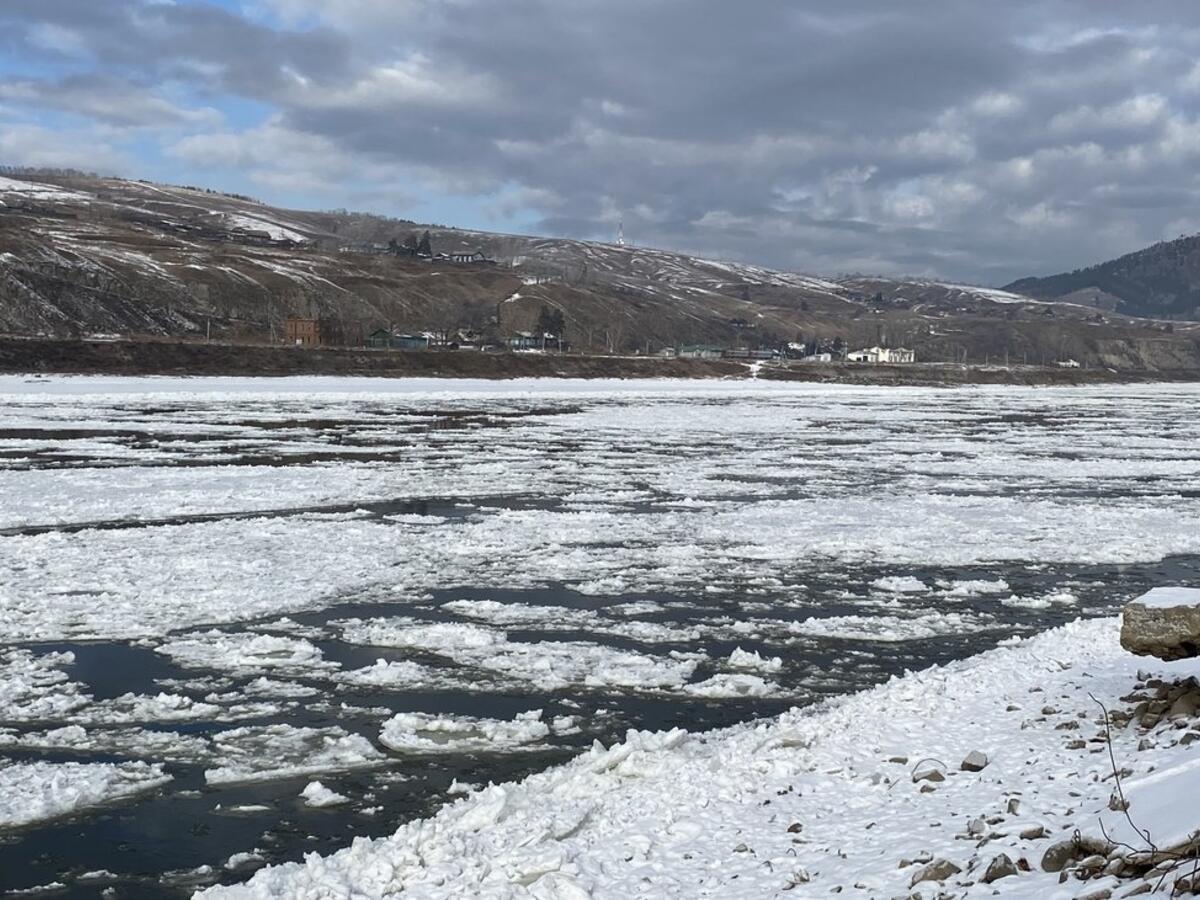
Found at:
[882, 355]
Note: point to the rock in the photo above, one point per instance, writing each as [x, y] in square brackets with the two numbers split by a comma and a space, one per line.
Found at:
[1102, 894]
[1189, 738]
[1163, 622]
[1036, 833]
[999, 867]
[1057, 856]
[976, 827]
[927, 772]
[938, 870]
[1185, 707]
[1014, 804]
[976, 761]
[1144, 888]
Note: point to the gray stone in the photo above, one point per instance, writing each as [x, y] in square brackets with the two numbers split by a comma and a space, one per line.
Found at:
[975, 762]
[938, 870]
[1163, 622]
[928, 773]
[1000, 867]
[1058, 855]
[1036, 833]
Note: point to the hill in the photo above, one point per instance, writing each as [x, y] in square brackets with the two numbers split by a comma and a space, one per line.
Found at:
[1162, 281]
[83, 256]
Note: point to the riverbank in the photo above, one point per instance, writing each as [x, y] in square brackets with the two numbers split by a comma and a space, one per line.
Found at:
[129, 357]
[960, 781]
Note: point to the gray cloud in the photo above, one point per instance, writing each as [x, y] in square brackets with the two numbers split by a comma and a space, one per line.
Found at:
[971, 141]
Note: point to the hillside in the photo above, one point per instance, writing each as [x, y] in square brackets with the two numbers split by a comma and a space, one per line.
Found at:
[1162, 281]
[83, 256]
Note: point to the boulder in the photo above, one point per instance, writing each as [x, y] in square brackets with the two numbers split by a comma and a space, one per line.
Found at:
[1163, 622]
[1000, 867]
[975, 762]
[938, 870]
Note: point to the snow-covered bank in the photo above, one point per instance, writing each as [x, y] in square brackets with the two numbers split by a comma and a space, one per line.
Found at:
[816, 800]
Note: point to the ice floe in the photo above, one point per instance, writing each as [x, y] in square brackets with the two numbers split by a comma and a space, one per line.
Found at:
[430, 733]
[271, 752]
[34, 791]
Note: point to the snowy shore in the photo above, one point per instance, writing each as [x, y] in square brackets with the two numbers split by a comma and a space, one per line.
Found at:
[822, 800]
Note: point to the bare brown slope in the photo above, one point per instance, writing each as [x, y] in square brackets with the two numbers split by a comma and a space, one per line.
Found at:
[83, 256]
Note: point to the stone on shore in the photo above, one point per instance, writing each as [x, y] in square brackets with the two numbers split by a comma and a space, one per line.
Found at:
[1163, 622]
[976, 761]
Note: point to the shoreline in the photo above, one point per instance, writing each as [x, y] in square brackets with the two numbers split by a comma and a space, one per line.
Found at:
[822, 799]
[34, 356]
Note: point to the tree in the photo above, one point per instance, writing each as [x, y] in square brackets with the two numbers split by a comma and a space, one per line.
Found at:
[425, 247]
[551, 322]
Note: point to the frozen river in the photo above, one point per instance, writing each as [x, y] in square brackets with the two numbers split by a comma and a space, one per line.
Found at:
[215, 592]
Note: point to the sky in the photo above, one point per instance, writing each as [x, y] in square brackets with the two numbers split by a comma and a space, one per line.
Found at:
[964, 140]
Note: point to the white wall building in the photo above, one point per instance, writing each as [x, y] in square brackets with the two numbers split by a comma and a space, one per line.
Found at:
[882, 355]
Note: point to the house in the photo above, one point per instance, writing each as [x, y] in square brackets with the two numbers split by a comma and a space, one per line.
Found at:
[464, 256]
[383, 339]
[701, 351]
[817, 358]
[318, 332]
[379, 339]
[882, 355]
[524, 340]
[1068, 364]
[737, 353]
[410, 342]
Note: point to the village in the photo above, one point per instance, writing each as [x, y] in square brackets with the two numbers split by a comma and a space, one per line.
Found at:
[323, 331]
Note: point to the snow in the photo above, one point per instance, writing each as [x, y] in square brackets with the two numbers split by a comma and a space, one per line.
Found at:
[277, 231]
[242, 653]
[811, 798]
[37, 191]
[35, 791]
[271, 752]
[623, 516]
[318, 796]
[1169, 598]
[742, 659]
[546, 665]
[900, 584]
[139, 742]
[428, 733]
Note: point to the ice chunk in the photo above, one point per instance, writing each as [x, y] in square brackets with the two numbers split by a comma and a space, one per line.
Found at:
[429, 733]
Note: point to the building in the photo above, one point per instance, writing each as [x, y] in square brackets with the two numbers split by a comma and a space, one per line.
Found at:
[882, 355]
[319, 332]
[302, 332]
[737, 353]
[701, 351]
[817, 358]
[379, 339]
[465, 256]
[410, 342]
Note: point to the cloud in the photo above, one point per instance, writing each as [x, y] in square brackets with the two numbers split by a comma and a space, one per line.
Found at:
[977, 142]
[106, 99]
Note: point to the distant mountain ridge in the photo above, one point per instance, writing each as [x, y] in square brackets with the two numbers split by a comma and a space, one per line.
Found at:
[1161, 281]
